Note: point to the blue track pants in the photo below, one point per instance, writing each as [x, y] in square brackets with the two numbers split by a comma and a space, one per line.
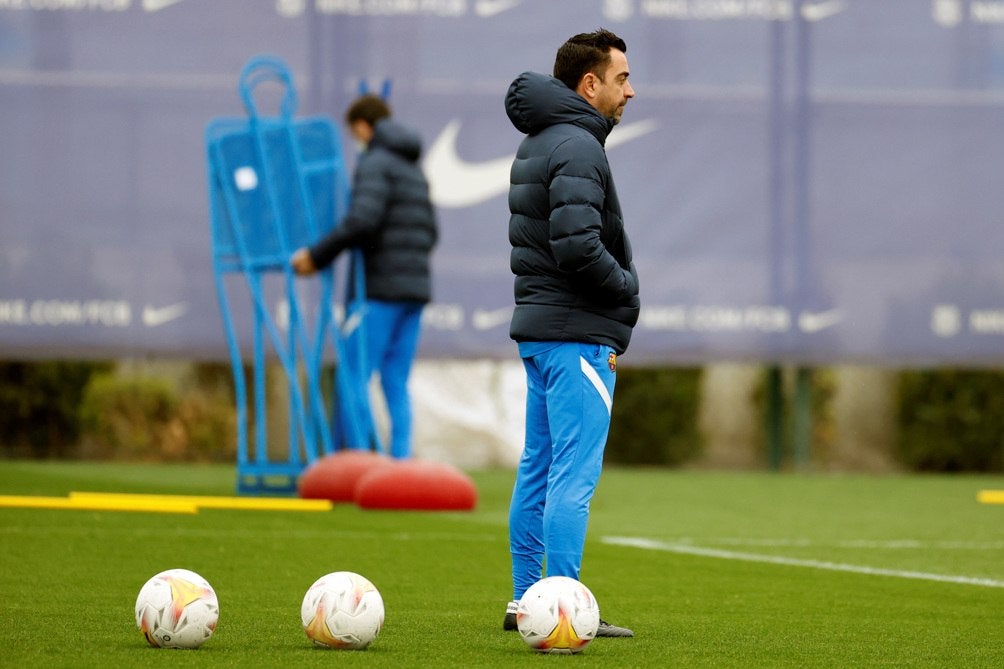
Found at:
[570, 389]
[392, 330]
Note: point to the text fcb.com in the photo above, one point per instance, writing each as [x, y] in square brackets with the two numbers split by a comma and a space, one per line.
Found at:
[53, 312]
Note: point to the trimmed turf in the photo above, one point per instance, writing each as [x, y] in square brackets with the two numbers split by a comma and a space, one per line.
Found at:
[702, 595]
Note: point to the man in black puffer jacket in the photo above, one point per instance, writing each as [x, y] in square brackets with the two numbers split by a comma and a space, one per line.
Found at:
[576, 295]
[392, 220]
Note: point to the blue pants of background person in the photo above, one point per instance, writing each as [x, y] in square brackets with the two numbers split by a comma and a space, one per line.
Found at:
[570, 389]
[392, 330]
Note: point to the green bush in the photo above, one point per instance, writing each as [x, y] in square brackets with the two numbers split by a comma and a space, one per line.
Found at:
[655, 414]
[209, 415]
[951, 420]
[38, 406]
[152, 418]
[127, 418]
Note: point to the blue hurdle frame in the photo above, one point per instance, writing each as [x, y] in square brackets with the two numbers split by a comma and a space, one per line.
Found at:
[277, 183]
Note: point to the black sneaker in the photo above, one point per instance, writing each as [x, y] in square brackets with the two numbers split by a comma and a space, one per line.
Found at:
[608, 630]
[509, 624]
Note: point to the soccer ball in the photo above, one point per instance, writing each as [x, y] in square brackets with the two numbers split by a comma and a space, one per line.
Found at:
[177, 608]
[558, 614]
[342, 610]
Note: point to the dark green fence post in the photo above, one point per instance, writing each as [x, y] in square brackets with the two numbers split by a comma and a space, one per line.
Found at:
[774, 419]
[803, 418]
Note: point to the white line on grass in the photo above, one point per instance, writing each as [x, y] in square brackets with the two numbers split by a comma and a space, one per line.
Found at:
[893, 544]
[650, 544]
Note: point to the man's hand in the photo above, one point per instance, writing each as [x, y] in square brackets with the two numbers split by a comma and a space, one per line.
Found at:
[302, 263]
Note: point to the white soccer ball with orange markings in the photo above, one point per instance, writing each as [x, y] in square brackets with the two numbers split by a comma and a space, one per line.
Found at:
[342, 610]
[177, 608]
[558, 614]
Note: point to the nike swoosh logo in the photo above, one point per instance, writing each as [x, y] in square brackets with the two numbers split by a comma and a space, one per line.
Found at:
[155, 316]
[487, 319]
[819, 11]
[455, 183]
[157, 5]
[814, 321]
[487, 8]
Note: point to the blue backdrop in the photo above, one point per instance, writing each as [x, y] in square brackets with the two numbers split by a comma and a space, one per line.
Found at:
[809, 181]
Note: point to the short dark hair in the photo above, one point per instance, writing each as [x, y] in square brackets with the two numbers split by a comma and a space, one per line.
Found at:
[368, 108]
[585, 52]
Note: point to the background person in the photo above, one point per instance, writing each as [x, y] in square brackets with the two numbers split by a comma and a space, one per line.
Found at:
[391, 218]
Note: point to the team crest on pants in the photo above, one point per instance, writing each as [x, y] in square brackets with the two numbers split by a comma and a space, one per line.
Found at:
[612, 361]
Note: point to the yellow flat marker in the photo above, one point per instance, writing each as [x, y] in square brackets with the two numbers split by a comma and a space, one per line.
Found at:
[218, 502]
[990, 497]
[96, 504]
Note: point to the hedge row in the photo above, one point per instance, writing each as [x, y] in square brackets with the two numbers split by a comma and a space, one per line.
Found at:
[948, 420]
[87, 410]
[951, 420]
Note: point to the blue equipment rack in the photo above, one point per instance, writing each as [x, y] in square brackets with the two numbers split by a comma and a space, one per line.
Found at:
[277, 183]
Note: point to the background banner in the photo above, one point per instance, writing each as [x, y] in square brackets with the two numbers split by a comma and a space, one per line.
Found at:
[812, 181]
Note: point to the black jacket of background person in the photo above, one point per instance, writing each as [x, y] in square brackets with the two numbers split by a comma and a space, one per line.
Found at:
[390, 218]
[570, 253]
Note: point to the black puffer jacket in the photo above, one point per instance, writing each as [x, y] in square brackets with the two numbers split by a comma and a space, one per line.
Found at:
[390, 218]
[574, 277]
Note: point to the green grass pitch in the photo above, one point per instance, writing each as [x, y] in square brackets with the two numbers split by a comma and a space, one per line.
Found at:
[711, 569]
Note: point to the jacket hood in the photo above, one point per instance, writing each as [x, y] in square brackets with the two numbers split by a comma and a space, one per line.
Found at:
[536, 101]
[400, 139]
